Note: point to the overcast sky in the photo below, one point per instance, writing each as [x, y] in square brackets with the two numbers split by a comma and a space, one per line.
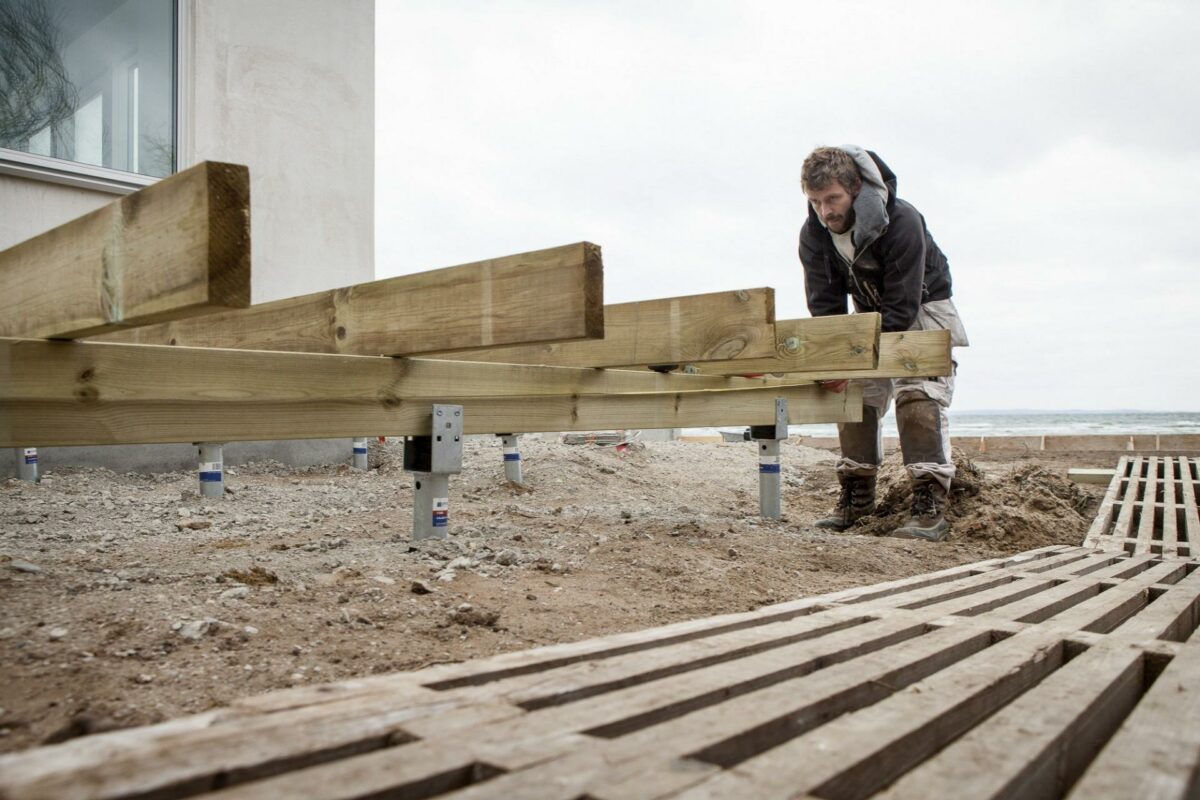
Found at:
[1053, 147]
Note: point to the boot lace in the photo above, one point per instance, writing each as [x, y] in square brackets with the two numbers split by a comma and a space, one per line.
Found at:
[924, 501]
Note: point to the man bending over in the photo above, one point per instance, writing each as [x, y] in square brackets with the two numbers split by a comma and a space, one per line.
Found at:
[861, 240]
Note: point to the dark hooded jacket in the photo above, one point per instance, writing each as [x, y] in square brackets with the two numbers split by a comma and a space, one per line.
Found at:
[897, 265]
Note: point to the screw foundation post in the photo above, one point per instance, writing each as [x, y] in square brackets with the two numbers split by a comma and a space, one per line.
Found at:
[432, 460]
[212, 470]
[512, 456]
[27, 464]
[769, 478]
[360, 453]
[768, 438]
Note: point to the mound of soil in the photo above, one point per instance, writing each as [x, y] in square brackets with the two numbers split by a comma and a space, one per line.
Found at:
[1019, 508]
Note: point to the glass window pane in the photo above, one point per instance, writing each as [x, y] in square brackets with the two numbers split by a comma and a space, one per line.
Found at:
[91, 81]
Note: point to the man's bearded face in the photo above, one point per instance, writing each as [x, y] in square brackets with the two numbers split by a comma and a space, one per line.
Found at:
[834, 204]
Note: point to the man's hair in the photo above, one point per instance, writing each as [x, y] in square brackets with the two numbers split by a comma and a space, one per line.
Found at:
[826, 165]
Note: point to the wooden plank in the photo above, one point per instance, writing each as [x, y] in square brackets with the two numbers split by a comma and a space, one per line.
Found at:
[863, 751]
[1122, 527]
[1191, 516]
[1155, 754]
[816, 345]
[673, 330]
[193, 397]
[1148, 511]
[178, 248]
[1171, 508]
[47, 371]
[659, 760]
[1100, 477]
[1038, 745]
[901, 355]
[1102, 525]
[541, 296]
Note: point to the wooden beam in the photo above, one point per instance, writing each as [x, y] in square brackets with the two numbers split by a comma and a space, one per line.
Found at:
[845, 341]
[60, 393]
[545, 295]
[178, 248]
[673, 330]
[901, 355]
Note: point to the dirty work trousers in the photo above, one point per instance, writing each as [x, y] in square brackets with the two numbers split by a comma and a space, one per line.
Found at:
[859, 458]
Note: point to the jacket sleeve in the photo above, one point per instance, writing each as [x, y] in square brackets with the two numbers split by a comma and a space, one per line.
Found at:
[824, 288]
[903, 261]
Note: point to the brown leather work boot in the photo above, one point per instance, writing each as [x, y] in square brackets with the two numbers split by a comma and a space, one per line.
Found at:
[857, 501]
[927, 522]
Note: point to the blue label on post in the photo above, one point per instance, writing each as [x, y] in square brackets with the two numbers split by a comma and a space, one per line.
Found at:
[360, 451]
[768, 468]
[512, 456]
[214, 477]
[30, 459]
[441, 518]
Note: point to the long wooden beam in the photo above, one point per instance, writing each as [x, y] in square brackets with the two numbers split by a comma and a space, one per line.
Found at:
[60, 393]
[674, 330]
[901, 355]
[178, 248]
[545, 295]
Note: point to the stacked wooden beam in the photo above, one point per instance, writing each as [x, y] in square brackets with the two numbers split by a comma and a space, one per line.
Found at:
[1058, 672]
[160, 282]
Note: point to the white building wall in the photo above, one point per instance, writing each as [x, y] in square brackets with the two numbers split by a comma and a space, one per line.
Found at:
[286, 87]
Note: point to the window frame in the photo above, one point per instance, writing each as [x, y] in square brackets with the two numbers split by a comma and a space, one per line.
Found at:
[103, 179]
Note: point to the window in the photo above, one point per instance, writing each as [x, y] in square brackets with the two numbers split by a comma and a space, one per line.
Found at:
[88, 89]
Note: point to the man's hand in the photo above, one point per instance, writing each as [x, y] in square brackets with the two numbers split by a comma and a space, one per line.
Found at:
[834, 386]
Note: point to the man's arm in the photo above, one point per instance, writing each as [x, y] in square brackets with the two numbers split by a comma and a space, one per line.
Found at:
[903, 260]
[825, 292]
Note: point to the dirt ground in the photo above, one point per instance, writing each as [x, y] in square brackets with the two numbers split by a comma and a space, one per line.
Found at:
[127, 599]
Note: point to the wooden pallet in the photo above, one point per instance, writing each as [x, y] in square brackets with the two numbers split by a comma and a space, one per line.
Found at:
[1061, 671]
[1150, 507]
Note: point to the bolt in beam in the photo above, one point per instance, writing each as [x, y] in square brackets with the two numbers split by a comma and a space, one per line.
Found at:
[212, 470]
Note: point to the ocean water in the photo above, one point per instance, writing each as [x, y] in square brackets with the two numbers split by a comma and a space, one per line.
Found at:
[1032, 423]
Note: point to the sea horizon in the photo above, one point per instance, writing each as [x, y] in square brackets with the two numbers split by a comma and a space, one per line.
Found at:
[1028, 422]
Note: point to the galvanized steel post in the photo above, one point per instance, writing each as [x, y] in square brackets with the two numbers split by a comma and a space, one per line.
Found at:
[27, 464]
[360, 453]
[512, 456]
[768, 438]
[212, 470]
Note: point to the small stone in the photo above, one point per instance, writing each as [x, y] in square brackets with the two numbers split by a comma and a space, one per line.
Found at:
[446, 575]
[506, 558]
[250, 630]
[465, 607]
[556, 567]
[20, 565]
[236, 593]
[421, 587]
[193, 524]
[196, 628]
[385, 580]
[733, 553]
[56, 633]
[144, 678]
[626, 515]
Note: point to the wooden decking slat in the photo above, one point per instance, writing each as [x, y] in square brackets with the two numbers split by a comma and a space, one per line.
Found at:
[864, 751]
[1102, 524]
[1041, 742]
[1148, 511]
[1171, 486]
[1153, 756]
[1191, 517]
